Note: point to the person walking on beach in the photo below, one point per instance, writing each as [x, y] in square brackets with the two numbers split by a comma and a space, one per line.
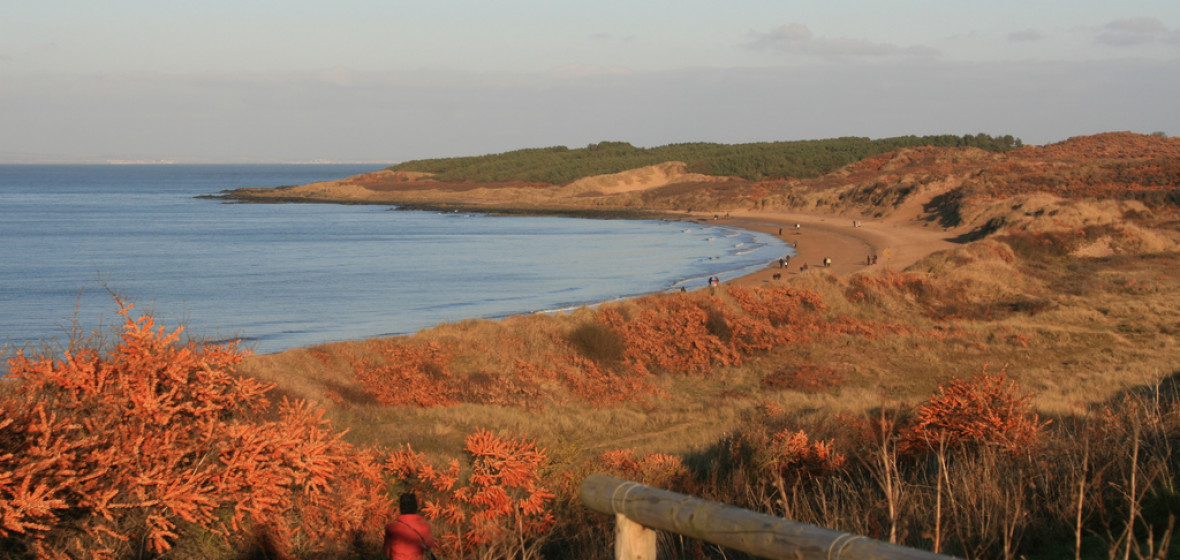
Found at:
[408, 537]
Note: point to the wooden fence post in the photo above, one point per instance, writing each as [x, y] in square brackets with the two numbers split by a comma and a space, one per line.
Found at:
[633, 541]
[640, 509]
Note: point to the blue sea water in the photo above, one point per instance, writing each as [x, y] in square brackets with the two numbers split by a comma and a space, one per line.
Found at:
[282, 276]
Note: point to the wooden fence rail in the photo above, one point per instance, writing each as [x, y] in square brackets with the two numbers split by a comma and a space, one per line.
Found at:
[639, 509]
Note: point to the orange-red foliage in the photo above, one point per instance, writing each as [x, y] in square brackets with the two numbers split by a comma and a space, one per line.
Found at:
[692, 334]
[409, 375]
[772, 317]
[654, 469]
[501, 503]
[670, 334]
[985, 410]
[116, 451]
[807, 378]
[601, 386]
[612, 363]
[779, 306]
[1110, 165]
[1113, 165]
[797, 456]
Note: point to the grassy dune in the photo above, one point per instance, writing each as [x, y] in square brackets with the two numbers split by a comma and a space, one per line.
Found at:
[1072, 299]
[1089, 344]
[1013, 396]
[1074, 332]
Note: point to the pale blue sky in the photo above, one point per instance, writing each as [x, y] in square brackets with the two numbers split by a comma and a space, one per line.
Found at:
[389, 80]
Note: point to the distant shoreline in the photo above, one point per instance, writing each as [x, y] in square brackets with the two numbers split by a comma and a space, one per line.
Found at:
[822, 242]
[605, 213]
[851, 242]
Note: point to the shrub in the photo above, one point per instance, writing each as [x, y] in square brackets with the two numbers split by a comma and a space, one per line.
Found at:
[654, 469]
[984, 410]
[598, 342]
[806, 378]
[796, 455]
[669, 335]
[601, 386]
[499, 509]
[411, 375]
[111, 455]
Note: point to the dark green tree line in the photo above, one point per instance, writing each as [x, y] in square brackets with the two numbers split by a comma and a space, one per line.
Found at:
[753, 161]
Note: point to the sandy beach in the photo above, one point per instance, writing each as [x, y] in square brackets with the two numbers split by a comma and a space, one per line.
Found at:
[897, 241]
[849, 242]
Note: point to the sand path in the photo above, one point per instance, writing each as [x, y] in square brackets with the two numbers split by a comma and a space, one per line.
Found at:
[898, 242]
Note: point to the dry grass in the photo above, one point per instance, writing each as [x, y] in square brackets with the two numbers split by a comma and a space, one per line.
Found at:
[1115, 331]
[1076, 333]
[859, 403]
[1072, 332]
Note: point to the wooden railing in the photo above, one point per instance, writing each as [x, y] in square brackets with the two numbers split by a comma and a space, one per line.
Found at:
[640, 510]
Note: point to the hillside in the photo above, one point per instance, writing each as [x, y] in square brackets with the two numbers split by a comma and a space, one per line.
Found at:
[954, 183]
[751, 161]
[1002, 384]
[1056, 266]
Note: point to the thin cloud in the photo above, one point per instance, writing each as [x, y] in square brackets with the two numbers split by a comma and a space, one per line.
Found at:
[41, 49]
[578, 69]
[431, 113]
[1132, 32]
[607, 37]
[796, 38]
[1026, 36]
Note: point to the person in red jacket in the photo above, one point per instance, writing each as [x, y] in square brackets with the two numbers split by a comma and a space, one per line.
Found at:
[408, 537]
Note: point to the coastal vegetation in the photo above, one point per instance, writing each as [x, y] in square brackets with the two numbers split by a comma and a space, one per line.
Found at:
[751, 161]
[1015, 397]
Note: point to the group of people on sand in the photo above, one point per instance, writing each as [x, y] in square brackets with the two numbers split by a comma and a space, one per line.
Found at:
[785, 262]
[827, 264]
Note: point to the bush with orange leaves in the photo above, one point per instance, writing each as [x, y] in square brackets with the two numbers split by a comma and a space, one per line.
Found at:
[805, 378]
[114, 455]
[690, 334]
[653, 469]
[772, 317]
[603, 386]
[500, 509]
[411, 375]
[608, 359]
[779, 306]
[983, 410]
[796, 455]
[669, 335]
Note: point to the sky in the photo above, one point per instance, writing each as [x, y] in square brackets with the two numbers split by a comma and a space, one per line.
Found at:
[228, 81]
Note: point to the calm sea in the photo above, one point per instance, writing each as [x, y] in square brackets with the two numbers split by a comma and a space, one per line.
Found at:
[294, 275]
